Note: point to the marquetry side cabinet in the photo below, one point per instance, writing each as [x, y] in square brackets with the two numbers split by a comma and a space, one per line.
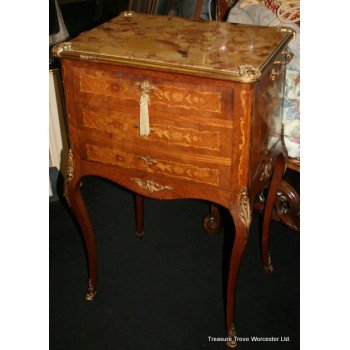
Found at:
[174, 108]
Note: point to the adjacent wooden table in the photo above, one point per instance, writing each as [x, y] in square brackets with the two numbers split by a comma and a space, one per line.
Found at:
[174, 108]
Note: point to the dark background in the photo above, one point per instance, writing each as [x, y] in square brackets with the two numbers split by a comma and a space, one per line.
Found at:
[165, 291]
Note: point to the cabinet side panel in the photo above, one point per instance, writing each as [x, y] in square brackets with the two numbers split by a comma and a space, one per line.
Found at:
[266, 126]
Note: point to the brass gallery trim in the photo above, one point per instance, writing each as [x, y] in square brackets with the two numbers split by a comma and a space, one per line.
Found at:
[246, 212]
[91, 292]
[150, 185]
[70, 173]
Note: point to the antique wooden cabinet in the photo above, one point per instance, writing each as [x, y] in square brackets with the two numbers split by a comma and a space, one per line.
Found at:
[174, 108]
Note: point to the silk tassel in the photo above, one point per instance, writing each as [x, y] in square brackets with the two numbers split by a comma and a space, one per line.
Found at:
[144, 117]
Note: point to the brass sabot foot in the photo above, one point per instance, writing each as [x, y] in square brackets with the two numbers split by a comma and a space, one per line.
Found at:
[269, 267]
[139, 234]
[231, 334]
[91, 292]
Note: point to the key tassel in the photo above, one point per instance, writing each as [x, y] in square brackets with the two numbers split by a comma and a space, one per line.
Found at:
[144, 117]
[145, 88]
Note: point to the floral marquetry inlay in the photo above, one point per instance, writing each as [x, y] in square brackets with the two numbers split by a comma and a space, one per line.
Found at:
[121, 125]
[178, 170]
[172, 96]
[101, 82]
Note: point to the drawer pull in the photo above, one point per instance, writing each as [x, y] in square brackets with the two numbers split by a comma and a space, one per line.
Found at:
[274, 74]
[150, 185]
[147, 159]
[287, 58]
[145, 88]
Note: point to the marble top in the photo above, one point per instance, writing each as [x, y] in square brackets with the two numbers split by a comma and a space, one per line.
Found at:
[178, 44]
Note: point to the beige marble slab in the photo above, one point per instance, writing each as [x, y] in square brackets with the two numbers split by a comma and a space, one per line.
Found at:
[178, 44]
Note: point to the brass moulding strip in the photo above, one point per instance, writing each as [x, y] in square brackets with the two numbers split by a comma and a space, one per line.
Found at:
[158, 66]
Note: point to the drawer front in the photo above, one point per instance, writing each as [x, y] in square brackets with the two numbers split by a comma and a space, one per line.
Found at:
[120, 89]
[191, 125]
[130, 157]
[175, 135]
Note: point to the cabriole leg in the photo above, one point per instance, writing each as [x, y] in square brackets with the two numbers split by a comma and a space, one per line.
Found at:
[76, 202]
[270, 201]
[241, 237]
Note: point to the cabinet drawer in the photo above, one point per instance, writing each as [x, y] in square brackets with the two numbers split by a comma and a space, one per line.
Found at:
[213, 172]
[191, 128]
[174, 136]
[113, 88]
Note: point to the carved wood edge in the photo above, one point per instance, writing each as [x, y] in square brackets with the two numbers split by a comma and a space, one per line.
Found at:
[286, 197]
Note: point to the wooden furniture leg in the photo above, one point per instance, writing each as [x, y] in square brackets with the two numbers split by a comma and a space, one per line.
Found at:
[241, 237]
[276, 179]
[76, 202]
[139, 215]
[212, 222]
